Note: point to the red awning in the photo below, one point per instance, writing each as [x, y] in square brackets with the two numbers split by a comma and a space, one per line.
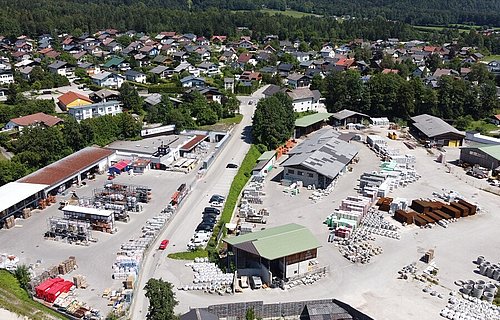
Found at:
[121, 165]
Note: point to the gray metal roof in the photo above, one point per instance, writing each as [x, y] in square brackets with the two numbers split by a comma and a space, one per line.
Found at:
[343, 114]
[153, 99]
[323, 153]
[432, 126]
[158, 69]
[199, 314]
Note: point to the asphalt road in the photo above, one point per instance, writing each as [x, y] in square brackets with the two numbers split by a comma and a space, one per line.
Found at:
[181, 228]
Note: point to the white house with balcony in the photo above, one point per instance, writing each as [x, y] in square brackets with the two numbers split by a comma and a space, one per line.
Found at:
[95, 110]
[6, 77]
[108, 79]
[304, 99]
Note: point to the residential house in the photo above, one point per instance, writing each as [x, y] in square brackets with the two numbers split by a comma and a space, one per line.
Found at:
[421, 72]
[247, 78]
[37, 119]
[132, 75]
[73, 99]
[389, 71]
[327, 52]
[160, 71]
[444, 72]
[494, 67]
[114, 63]
[25, 72]
[95, 110]
[210, 93]
[90, 68]
[208, 68]
[61, 68]
[186, 66]
[304, 99]
[6, 76]
[191, 81]
[246, 58]
[180, 56]
[270, 70]
[108, 79]
[105, 95]
[297, 80]
[284, 69]
[301, 56]
[150, 51]
[246, 44]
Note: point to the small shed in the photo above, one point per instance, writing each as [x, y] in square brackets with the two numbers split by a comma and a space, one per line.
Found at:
[141, 165]
[264, 164]
[119, 167]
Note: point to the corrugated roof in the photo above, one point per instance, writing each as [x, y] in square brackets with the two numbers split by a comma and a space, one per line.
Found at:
[493, 151]
[432, 126]
[267, 155]
[278, 242]
[311, 119]
[324, 153]
[65, 168]
[115, 61]
[343, 114]
[193, 142]
[15, 192]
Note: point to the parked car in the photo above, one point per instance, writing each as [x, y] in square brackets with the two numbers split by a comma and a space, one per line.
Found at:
[211, 210]
[204, 226]
[164, 244]
[217, 198]
[216, 204]
[232, 166]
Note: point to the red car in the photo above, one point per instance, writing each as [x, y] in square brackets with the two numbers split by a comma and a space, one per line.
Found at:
[164, 244]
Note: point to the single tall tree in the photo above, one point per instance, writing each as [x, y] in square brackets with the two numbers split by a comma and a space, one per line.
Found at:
[161, 300]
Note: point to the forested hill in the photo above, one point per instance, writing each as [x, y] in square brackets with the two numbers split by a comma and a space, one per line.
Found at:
[481, 12]
[34, 17]
[31, 16]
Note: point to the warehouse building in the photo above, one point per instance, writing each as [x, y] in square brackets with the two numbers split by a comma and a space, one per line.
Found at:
[486, 156]
[344, 117]
[310, 123]
[436, 130]
[70, 170]
[16, 196]
[284, 252]
[319, 159]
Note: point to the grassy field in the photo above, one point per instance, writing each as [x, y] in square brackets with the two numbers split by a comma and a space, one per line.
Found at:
[16, 300]
[189, 255]
[491, 58]
[460, 27]
[223, 124]
[482, 126]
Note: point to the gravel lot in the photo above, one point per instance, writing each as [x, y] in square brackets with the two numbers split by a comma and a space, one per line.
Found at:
[374, 288]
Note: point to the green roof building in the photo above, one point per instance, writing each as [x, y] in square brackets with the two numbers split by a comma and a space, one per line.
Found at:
[286, 251]
[487, 156]
[113, 62]
[310, 123]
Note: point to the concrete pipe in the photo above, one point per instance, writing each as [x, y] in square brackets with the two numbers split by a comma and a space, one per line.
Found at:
[490, 287]
[496, 274]
[489, 271]
[488, 296]
[467, 289]
[480, 260]
[478, 290]
[471, 282]
[482, 268]
[480, 282]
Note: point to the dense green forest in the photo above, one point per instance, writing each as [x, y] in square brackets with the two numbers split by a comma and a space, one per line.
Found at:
[42, 16]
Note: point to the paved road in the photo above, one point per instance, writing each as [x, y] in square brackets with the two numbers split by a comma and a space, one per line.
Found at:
[217, 180]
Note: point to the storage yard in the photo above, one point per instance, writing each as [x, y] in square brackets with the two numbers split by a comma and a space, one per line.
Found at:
[375, 218]
[391, 243]
[110, 249]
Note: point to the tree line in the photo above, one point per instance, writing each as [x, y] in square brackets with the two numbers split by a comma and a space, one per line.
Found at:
[392, 95]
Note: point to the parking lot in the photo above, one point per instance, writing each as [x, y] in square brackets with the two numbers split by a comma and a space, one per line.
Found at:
[94, 261]
[369, 286]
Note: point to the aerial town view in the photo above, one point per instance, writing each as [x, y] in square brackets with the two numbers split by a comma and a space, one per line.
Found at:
[244, 160]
